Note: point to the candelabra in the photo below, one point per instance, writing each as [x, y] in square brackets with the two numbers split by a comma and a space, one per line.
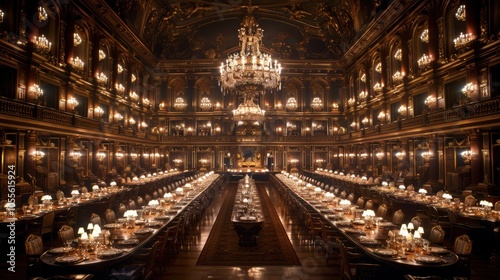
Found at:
[425, 61]
[36, 90]
[379, 155]
[77, 63]
[118, 116]
[469, 89]
[37, 156]
[291, 104]
[400, 155]
[72, 103]
[365, 121]
[75, 156]
[42, 44]
[42, 14]
[460, 14]
[100, 156]
[131, 121]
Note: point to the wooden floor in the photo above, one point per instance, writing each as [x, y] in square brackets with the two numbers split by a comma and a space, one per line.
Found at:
[313, 264]
[184, 266]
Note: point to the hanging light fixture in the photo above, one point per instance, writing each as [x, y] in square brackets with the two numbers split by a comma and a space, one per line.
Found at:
[248, 111]
[291, 104]
[205, 103]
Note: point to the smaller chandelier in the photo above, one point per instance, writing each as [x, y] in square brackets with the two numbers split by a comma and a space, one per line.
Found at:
[102, 79]
[402, 109]
[37, 156]
[36, 90]
[379, 155]
[102, 55]
[397, 77]
[463, 41]
[365, 121]
[460, 14]
[1, 16]
[119, 68]
[467, 156]
[426, 155]
[132, 78]
[430, 100]
[42, 44]
[291, 104]
[351, 101]
[42, 14]
[317, 104]
[100, 156]
[469, 89]
[425, 61]
[98, 111]
[378, 67]
[72, 103]
[400, 155]
[180, 104]
[118, 116]
[77, 40]
[249, 111]
[77, 63]
[397, 55]
[424, 36]
[381, 116]
[146, 102]
[133, 95]
[378, 87]
[131, 121]
[205, 103]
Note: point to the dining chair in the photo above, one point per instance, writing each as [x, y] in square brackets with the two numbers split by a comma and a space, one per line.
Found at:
[33, 200]
[382, 211]
[122, 208]
[352, 265]
[33, 248]
[160, 192]
[59, 195]
[110, 216]
[398, 217]
[440, 193]
[369, 204]
[469, 201]
[410, 188]
[85, 189]
[360, 203]
[343, 194]
[66, 233]
[140, 202]
[155, 194]
[350, 197]
[96, 219]
[497, 206]
[436, 235]
[463, 248]
[416, 221]
[131, 204]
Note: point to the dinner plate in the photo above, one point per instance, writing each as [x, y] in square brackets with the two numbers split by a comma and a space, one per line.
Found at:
[143, 231]
[128, 242]
[438, 250]
[109, 253]
[387, 252]
[162, 218]
[68, 259]
[60, 250]
[353, 231]
[429, 259]
[358, 222]
[140, 222]
[154, 224]
[369, 242]
[112, 225]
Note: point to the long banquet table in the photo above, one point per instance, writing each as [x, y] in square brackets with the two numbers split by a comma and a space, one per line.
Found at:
[372, 240]
[125, 239]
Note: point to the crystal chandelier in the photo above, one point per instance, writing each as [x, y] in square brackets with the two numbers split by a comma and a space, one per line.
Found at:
[424, 36]
[317, 104]
[424, 61]
[250, 70]
[205, 103]
[180, 104]
[249, 111]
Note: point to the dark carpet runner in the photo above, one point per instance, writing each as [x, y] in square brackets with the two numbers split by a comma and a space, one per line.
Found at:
[273, 246]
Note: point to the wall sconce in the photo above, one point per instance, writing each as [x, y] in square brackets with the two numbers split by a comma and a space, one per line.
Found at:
[378, 67]
[424, 36]
[463, 41]
[118, 116]
[119, 154]
[132, 78]
[335, 106]
[354, 125]
[72, 103]
[460, 14]
[77, 40]
[363, 154]
[365, 121]
[146, 102]
[162, 105]
[133, 96]
[143, 124]
[177, 162]
[294, 161]
[119, 68]
[1, 16]
[98, 111]
[75, 156]
[77, 63]
[400, 155]
[42, 14]
[467, 156]
[102, 55]
[36, 90]
[469, 89]
[100, 156]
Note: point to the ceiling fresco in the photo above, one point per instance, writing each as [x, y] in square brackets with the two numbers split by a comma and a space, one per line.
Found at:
[313, 29]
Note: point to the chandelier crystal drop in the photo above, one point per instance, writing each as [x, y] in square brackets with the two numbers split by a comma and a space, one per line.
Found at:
[250, 68]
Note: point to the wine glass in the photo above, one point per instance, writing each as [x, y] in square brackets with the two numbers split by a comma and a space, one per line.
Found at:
[25, 209]
[67, 242]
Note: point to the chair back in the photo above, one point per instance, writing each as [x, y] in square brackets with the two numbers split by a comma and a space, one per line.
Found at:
[66, 233]
[47, 222]
[59, 195]
[131, 204]
[345, 266]
[350, 197]
[463, 245]
[398, 217]
[416, 221]
[110, 216]
[440, 193]
[33, 245]
[360, 203]
[85, 190]
[382, 211]
[369, 204]
[121, 210]
[436, 235]
[96, 219]
[469, 201]
[410, 188]
[497, 206]
[140, 202]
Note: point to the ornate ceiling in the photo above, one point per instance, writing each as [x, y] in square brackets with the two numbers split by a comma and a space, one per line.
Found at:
[299, 29]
